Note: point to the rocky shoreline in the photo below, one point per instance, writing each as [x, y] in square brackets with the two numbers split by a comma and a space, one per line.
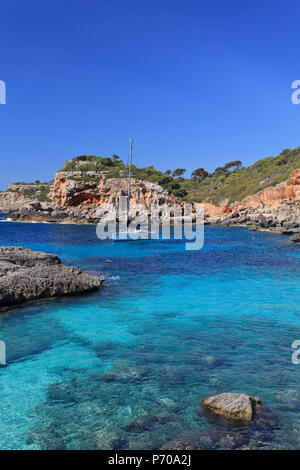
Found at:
[284, 219]
[27, 275]
[73, 200]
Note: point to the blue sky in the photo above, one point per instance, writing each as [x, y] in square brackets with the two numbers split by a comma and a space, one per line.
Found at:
[195, 83]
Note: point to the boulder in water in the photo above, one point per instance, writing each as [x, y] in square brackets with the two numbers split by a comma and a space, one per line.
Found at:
[233, 405]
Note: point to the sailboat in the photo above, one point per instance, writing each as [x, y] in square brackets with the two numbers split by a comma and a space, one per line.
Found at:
[129, 234]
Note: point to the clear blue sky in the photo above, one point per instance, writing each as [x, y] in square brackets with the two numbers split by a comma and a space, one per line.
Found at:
[195, 83]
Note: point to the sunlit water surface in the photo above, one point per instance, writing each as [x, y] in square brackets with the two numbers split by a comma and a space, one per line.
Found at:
[126, 367]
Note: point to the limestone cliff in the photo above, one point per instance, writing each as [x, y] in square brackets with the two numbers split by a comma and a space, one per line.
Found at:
[86, 196]
[269, 198]
[274, 196]
[69, 191]
[274, 207]
[24, 195]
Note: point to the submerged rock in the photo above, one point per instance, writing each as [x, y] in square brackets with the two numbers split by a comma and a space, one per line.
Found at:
[110, 441]
[233, 405]
[146, 422]
[27, 275]
[123, 372]
[182, 444]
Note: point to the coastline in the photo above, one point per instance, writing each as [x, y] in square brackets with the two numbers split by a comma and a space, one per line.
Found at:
[275, 230]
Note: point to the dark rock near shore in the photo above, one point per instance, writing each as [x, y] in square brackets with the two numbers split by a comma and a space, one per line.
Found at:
[282, 219]
[295, 238]
[28, 275]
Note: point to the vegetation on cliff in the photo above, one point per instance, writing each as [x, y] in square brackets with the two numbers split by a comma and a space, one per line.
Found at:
[114, 167]
[231, 181]
[35, 191]
[237, 183]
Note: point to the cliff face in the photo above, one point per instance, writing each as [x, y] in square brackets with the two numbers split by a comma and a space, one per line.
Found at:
[11, 201]
[87, 196]
[69, 193]
[21, 195]
[274, 196]
[269, 198]
[275, 208]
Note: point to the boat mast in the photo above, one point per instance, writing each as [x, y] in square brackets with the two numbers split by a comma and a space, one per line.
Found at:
[129, 177]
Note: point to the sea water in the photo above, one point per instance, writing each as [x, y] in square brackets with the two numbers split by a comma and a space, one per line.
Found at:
[126, 367]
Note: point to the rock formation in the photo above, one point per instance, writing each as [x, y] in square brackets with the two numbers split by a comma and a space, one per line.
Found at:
[85, 197]
[69, 192]
[27, 275]
[276, 208]
[295, 238]
[24, 195]
[79, 196]
[233, 405]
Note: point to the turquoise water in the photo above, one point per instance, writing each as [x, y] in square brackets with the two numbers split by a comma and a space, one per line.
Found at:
[126, 367]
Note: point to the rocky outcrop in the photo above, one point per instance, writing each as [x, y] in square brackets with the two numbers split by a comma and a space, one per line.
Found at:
[295, 238]
[87, 197]
[275, 209]
[233, 406]
[270, 198]
[21, 196]
[274, 196]
[29, 189]
[10, 201]
[69, 192]
[283, 218]
[28, 275]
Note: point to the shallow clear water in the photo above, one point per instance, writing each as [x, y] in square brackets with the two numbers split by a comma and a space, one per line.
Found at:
[126, 367]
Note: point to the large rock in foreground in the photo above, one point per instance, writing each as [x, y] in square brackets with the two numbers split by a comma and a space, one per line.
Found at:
[27, 275]
[233, 405]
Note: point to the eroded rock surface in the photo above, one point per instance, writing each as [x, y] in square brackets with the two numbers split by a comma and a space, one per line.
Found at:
[276, 208]
[72, 200]
[27, 275]
[233, 405]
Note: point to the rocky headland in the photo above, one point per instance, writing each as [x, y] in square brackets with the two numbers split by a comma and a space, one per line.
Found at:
[275, 209]
[85, 196]
[84, 201]
[30, 275]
